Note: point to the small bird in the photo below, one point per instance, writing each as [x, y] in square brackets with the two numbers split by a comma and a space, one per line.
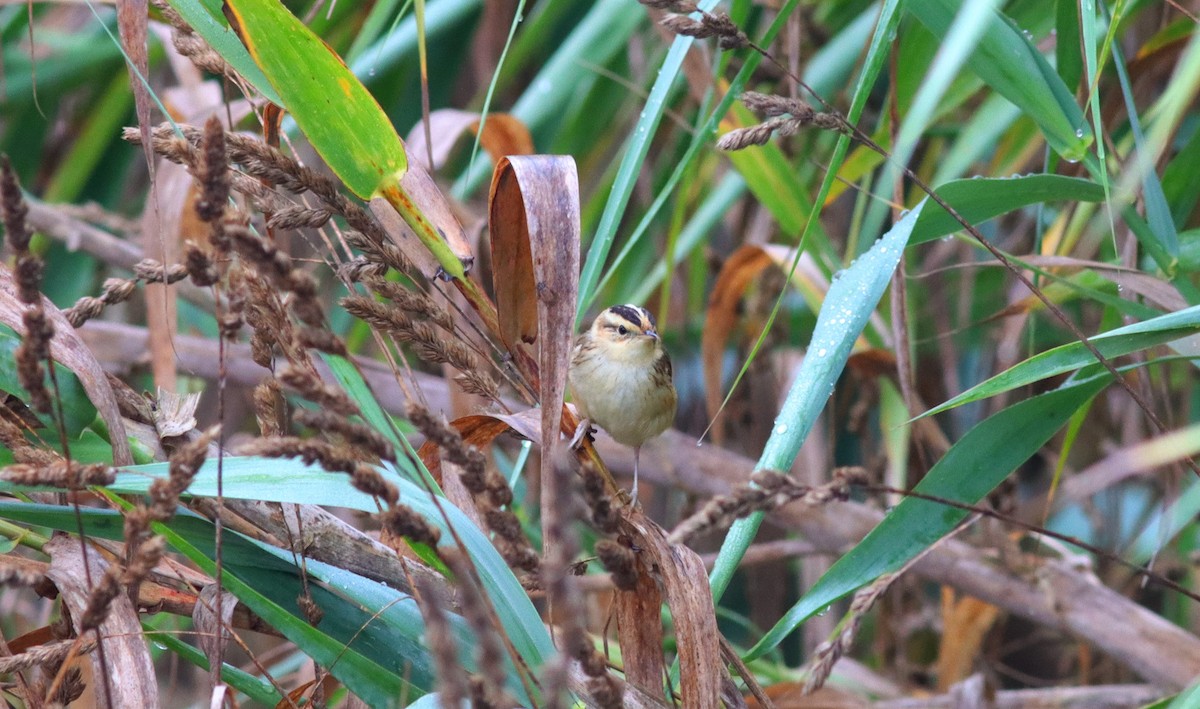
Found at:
[620, 377]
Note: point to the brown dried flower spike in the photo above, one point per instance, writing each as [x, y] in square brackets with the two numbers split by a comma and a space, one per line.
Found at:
[784, 115]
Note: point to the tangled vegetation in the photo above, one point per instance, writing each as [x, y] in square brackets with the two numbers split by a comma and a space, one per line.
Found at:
[286, 417]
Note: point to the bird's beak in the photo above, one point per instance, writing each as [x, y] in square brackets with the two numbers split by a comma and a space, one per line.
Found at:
[651, 333]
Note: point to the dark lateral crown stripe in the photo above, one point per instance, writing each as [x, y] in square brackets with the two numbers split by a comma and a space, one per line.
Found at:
[632, 314]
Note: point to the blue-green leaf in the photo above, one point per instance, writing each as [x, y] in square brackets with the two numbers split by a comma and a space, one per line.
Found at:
[969, 470]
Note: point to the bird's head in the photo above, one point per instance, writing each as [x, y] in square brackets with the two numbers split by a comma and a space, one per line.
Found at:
[627, 333]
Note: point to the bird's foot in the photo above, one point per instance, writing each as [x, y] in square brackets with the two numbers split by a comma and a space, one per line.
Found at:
[583, 430]
[626, 498]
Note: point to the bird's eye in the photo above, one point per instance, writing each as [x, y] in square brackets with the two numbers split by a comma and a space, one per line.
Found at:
[623, 330]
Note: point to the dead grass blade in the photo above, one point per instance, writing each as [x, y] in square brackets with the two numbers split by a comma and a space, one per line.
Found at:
[167, 222]
[123, 661]
[418, 187]
[1145, 285]
[967, 621]
[683, 577]
[69, 350]
[479, 430]
[639, 626]
[214, 631]
[513, 280]
[131, 25]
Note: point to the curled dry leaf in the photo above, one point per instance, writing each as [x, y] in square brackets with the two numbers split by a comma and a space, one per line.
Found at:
[741, 269]
[481, 430]
[125, 663]
[533, 208]
[967, 621]
[213, 630]
[792, 695]
[166, 225]
[70, 351]
[503, 135]
[132, 23]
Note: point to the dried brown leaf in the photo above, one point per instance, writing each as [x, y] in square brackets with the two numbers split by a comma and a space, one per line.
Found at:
[213, 630]
[513, 279]
[534, 211]
[639, 626]
[503, 134]
[681, 573]
[1146, 285]
[478, 430]
[737, 273]
[165, 223]
[790, 695]
[965, 623]
[132, 22]
[125, 663]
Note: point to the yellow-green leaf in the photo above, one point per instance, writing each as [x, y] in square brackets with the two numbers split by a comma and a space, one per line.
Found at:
[339, 116]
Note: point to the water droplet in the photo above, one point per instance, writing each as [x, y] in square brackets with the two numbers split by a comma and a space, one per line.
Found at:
[822, 352]
[781, 429]
[1078, 132]
[824, 611]
[371, 72]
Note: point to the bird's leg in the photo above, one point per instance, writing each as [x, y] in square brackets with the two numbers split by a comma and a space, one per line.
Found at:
[637, 450]
[581, 432]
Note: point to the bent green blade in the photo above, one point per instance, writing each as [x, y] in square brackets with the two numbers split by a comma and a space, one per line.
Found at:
[1073, 355]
